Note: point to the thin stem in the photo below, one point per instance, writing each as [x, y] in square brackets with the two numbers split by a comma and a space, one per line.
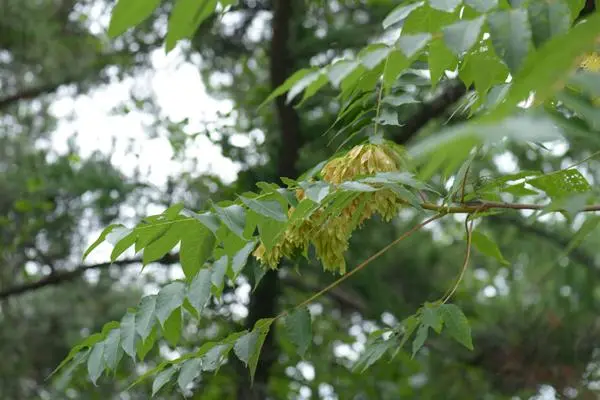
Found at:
[379, 97]
[364, 263]
[469, 229]
[474, 207]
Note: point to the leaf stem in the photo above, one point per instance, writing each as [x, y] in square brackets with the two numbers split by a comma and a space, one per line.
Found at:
[469, 229]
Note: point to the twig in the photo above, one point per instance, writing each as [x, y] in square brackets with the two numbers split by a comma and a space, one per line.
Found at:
[469, 229]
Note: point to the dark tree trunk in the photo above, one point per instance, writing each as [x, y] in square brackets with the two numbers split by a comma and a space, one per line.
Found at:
[263, 303]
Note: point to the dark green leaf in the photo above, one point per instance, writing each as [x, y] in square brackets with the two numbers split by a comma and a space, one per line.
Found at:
[159, 247]
[234, 217]
[162, 379]
[373, 55]
[299, 329]
[101, 238]
[262, 326]
[550, 64]
[432, 318]
[420, 338]
[185, 17]
[340, 70]
[169, 299]
[463, 35]
[209, 220]
[269, 208]
[128, 334]
[374, 350]
[410, 45]
[482, 6]
[112, 349]
[488, 247]
[397, 62]
[123, 244]
[561, 183]
[217, 278]
[511, 36]
[239, 260]
[189, 371]
[444, 5]
[399, 13]
[143, 347]
[484, 69]
[302, 84]
[548, 18]
[199, 291]
[245, 346]
[172, 327]
[400, 100]
[440, 59]
[213, 358]
[144, 317]
[289, 82]
[197, 244]
[95, 363]
[129, 13]
[457, 324]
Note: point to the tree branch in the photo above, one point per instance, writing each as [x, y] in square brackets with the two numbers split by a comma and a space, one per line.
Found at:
[62, 277]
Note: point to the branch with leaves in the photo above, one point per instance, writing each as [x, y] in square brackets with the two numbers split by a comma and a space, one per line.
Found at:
[315, 216]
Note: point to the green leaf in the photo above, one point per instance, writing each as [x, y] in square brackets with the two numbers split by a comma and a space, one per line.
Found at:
[400, 100]
[440, 59]
[172, 327]
[397, 62]
[374, 350]
[128, 335]
[262, 326]
[209, 220]
[123, 244]
[217, 277]
[373, 55]
[482, 6]
[169, 299]
[112, 349]
[302, 84]
[159, 247]
[340, 70]
[316, 191]
[245, 346]
[548, 18]
[239, 260]
[100, 239]
[353, 186]
[269, 208]
[147, 233]
[144, 317]
[314, 87]
[88, 342]
[511, 36]
[399, 13]
[189, 371]
[444, 5]
[129, 13]
[197, 244]
[95, 363]
[162, 379]
[298, 326]
[409, 325]
[420, 338]
[488, 247]
[589, 225]
[213, 358]
[410, 45]
[285, 86]
[143, 347]
[185, 18]
[484, 69]
[463, 35]
[199, 291]
[234, 217]
[428, 19]
[549, 65]
[562, 183]
[432, 318]
[457, 324]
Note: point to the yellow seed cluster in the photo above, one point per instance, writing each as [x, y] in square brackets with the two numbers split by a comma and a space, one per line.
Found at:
[330, 236]
[591, 62]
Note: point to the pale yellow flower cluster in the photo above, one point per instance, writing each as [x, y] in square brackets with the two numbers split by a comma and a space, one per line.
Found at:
[591, 62]
[330, 235]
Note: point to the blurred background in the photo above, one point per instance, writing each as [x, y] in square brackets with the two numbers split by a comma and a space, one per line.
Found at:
[94, 131]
